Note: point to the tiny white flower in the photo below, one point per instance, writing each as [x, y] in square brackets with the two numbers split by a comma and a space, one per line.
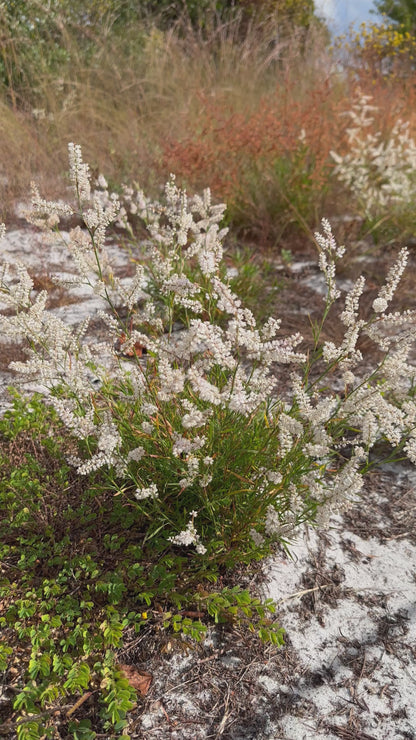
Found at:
[189, 536]
[380, 305]
[102, 182]
[150, 492]
[136, 454]
[257, 538]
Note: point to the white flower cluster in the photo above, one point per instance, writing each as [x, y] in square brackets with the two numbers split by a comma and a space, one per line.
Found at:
[46, 214]
[194, 417]
[329, 251]
[388, 290]
[184, 446]
[380, 172]
[79, 172]
[146, 492]
[189, 536]
[170, 404]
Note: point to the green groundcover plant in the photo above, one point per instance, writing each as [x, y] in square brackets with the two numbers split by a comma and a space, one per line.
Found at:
[189, 440]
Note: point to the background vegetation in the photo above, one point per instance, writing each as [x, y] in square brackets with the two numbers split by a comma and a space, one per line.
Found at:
[253, 100]
[246, 96]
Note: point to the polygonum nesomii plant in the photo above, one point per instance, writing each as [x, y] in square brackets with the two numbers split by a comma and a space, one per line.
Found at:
[192, 421]
[379, 170]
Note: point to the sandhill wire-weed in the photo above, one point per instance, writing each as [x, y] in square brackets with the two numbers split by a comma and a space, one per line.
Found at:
[183, 422]
[379, 169]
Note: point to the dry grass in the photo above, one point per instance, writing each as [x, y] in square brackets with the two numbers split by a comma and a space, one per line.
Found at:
[226, 110]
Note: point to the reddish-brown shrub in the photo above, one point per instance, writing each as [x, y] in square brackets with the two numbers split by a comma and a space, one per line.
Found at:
[225, 147]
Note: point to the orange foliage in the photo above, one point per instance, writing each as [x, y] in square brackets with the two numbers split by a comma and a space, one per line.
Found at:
[222, 144]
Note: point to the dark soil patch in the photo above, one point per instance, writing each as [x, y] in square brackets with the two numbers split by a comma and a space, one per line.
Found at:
[390, 508]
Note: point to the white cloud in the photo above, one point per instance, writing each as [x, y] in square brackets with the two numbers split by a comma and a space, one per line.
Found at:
[339, 14]
[326, 8]
[359, 10]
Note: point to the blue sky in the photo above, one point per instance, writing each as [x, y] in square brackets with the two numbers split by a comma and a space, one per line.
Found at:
[341, 13]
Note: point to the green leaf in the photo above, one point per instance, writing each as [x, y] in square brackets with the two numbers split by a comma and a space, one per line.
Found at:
[29, 731]
[82, 730]
[78, 677]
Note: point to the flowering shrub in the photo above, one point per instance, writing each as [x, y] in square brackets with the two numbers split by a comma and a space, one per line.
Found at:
[196, 429]
[380, 171]
[195, 451]
[384, 49]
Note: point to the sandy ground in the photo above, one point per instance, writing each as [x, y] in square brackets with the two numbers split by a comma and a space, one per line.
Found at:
[346, 600]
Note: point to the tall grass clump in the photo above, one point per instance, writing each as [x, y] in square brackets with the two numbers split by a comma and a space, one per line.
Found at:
[183, 450]
[260, 128]
[232, 102]
[246, 98]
